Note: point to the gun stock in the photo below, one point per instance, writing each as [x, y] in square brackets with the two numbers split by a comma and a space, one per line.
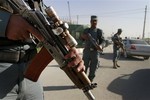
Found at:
[38, 64]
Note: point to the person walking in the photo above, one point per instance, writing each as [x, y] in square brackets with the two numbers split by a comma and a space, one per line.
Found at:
[92, 37]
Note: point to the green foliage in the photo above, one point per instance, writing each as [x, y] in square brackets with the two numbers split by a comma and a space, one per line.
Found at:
[76, 30]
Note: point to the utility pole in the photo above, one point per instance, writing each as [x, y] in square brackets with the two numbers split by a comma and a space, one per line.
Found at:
[77, 18]
[69, 12]
[149, 38]
[144, 23]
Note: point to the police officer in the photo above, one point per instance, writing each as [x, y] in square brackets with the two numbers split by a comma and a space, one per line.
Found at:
[16, 52]
[117, 44]
[90, 52]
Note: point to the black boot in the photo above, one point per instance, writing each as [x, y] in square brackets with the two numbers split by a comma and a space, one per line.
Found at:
[114, 65]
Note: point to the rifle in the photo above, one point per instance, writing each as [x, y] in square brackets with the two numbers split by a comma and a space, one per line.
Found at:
[94, 42]
[122, 46]
[119, 43]
[57, 36]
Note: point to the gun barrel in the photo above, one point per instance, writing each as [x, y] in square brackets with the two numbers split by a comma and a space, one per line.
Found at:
[89, 95]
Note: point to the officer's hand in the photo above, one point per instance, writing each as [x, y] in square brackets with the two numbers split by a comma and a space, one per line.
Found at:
[19, 29]
[99, 48]
[77, 60]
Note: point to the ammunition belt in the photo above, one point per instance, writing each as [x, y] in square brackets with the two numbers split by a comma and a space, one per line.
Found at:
[11, 56]
[16, 54]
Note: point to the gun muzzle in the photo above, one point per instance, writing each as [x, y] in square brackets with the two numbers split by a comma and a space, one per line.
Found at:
[89, 95]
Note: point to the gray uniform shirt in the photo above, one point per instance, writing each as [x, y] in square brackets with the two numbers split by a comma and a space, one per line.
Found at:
[4, 17]
[13, 85]
[96, 34]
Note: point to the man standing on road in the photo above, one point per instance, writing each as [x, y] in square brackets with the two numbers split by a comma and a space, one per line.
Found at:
[93, 37]
[117, 44]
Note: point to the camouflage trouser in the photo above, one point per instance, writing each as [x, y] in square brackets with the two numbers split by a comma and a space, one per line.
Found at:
[13, 86]
[116, 54]
[91, 62]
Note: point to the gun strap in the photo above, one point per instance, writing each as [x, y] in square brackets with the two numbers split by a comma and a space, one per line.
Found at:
[38, 64]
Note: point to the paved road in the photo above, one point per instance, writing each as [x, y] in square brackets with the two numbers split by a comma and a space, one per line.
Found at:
[130, 82]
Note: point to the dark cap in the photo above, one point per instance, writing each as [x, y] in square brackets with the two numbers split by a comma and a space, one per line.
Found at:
[93, 17]
[119, 30]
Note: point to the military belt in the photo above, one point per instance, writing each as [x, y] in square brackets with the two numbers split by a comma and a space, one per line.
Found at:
[10, 56]
[91, 49]
[15, 54]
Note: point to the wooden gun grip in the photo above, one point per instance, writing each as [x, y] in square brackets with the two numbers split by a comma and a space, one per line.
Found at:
[38, 64]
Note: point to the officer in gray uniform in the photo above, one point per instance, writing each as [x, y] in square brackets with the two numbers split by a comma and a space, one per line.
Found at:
[117, 44]
[16, 51]
[14, 56]
[90, 52]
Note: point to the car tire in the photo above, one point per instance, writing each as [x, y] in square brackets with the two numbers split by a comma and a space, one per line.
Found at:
[146, 58]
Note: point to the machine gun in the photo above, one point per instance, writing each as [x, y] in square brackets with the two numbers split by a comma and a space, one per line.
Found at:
[122, 46]
[57, 36]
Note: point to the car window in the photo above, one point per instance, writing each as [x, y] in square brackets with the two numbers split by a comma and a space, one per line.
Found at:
[137, 42]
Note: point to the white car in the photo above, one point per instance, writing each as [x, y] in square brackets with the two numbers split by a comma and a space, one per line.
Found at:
[136, 47]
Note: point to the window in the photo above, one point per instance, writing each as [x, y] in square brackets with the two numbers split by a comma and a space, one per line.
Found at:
[137, 42]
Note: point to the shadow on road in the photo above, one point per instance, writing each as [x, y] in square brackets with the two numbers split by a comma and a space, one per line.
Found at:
[56, 88]
[135, 86]
[108, 56]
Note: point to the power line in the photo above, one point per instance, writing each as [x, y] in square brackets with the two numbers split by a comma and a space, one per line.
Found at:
[120, 12]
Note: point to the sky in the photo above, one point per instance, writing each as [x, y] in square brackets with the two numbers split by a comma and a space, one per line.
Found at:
[112, 14]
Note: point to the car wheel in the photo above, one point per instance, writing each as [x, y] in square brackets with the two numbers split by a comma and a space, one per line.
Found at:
[146, 58]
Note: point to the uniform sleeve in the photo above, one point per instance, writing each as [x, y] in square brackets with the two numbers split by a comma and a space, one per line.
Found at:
[4, 18]
[85, 31]
[101, 36]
